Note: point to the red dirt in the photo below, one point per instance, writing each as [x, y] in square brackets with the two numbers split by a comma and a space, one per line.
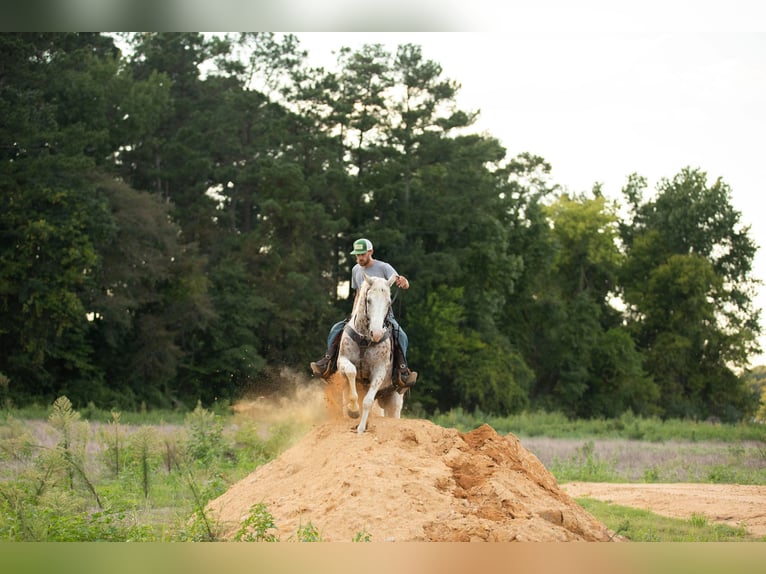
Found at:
[409, 480]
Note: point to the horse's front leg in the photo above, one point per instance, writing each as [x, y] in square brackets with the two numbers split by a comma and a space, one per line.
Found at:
[377, 376]
[348, 370]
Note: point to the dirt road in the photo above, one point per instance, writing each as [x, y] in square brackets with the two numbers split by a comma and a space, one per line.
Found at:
[736, 505]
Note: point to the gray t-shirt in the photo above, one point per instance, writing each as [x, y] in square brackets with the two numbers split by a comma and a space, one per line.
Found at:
[376, 269]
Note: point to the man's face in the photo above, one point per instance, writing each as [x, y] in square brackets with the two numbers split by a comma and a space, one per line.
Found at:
[364, 259]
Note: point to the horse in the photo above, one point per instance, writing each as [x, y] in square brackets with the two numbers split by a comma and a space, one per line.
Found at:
[365, 354]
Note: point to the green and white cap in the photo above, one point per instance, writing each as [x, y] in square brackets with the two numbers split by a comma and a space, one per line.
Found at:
[361, 246]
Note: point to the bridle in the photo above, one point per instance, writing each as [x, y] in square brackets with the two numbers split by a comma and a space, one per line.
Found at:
[365, 341]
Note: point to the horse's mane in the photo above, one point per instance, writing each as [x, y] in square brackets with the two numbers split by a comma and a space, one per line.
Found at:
[361, 294]
[359, 310]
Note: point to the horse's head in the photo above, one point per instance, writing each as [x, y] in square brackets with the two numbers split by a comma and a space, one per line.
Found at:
[377, 303]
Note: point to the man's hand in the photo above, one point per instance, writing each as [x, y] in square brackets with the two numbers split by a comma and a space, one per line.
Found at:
[402, 283]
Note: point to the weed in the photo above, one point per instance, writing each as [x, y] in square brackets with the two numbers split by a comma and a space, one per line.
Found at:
[362, 536]
[308, 533]
[698, 520]
[584, 465]
[256, 526]
[651, 474]
[114, 439]
[143, 458]
[205, 443]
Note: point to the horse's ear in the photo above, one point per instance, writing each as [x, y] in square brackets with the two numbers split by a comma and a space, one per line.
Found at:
[391, 280]
[367, 278]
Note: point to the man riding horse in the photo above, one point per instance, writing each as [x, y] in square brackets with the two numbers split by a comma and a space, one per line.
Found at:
[366, 264]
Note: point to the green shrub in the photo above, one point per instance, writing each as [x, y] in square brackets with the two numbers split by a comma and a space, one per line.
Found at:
[308, 533]
[205, 441]
[586, 466]
[256, 526]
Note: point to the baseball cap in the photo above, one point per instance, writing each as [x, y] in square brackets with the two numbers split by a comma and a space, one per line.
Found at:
[361, 246]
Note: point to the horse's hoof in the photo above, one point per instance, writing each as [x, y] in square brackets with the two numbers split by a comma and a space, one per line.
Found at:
[353, 414]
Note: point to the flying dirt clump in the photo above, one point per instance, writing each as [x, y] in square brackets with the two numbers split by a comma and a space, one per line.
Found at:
[408, 480]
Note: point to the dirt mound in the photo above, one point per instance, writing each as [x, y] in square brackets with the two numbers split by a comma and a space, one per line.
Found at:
[409, 480]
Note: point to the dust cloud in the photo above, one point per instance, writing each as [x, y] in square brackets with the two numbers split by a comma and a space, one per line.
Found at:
[296, 399]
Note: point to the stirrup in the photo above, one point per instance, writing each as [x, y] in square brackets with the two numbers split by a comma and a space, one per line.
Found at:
[322, 367]
[402, 384]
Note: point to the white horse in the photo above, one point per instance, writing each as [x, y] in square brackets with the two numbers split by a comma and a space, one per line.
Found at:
[366, 352]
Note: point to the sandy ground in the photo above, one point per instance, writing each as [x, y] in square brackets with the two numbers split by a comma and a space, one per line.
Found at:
[411, 480]
[406, 480]
[736, 505]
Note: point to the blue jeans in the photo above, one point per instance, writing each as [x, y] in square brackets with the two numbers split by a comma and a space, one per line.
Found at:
[401, 336]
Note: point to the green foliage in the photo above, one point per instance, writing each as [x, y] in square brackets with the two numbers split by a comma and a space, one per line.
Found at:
[160, 491]
[644, 526]
[44, 498]
[205, 441]
[169, 237]
[585, 465]
[256, 526]
[15, 439]
[58, 516]
[628, 425]
[307, 533]
[114, 438]
[487, 375]
[755, 379]
[142, 458]
[686, 279]
[256, 445]
[651, 474]
[362, 536]
[70, 449]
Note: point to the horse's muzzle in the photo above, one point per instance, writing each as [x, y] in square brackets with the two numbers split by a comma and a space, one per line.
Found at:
[377, 335]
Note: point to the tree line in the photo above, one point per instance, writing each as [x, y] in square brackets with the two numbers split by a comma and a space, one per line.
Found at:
[176, 218]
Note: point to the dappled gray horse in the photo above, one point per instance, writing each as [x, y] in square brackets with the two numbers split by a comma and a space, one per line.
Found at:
[365, 355]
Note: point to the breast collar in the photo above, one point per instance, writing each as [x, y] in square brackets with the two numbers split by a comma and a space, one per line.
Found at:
[362, 340]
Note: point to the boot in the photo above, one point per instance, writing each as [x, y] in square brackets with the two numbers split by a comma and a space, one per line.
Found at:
[404, 378]
[322, 367]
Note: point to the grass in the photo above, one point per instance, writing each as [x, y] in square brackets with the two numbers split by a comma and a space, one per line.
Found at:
[627, 426]
[70, 479]
[623, 460]
[88, 475]
[643, 526]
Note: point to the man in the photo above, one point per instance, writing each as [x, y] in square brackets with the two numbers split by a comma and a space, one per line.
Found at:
[365, 263]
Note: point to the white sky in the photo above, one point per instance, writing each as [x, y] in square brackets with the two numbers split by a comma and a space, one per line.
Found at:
[599, 105]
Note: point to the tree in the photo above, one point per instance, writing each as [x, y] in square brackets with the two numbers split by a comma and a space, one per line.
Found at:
[150, 298]
[463, 368]
[689, 294]
[168, 157]
[56, 95]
